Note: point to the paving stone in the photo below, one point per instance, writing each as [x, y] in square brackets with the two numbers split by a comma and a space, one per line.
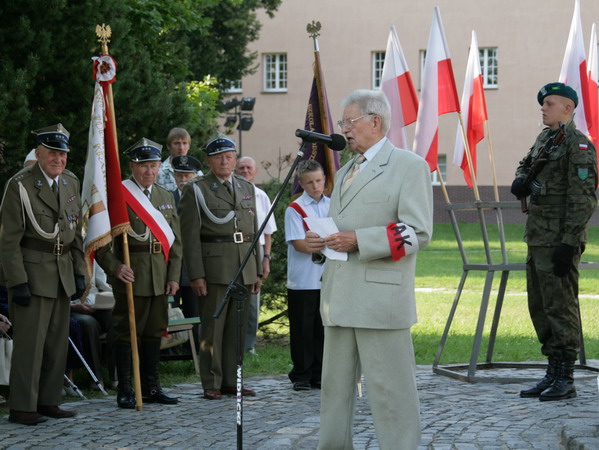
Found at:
[455, 416]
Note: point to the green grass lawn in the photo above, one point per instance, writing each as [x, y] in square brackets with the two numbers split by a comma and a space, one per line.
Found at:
[438, 274]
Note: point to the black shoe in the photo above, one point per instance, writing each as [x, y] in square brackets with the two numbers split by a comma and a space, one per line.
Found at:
[301, 386]
[26, 417]
[126, 400]
[315, 384]
[563, 386]
[546, 382]
[157, 395]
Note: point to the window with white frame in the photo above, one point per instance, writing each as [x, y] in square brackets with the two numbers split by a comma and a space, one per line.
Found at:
[378, 60]
[235, 87]
[442, 159]
[275, 72]
[488, 67]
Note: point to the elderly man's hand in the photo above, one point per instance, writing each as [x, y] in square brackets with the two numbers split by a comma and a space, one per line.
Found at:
[4, 324]
[199, 287]
[125, 274]
[314, 243]
[344, 241]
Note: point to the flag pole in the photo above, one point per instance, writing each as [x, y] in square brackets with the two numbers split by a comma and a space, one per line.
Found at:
[469, 157]
[492, 160]
[104, 33]
[313, 30]
[443, 188]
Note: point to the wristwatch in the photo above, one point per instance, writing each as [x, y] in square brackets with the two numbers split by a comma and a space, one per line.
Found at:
[267, 256]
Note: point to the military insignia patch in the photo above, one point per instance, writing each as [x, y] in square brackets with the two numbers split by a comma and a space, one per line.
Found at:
[583, 146]
[583, 173]
[38, 183]
[213, 186]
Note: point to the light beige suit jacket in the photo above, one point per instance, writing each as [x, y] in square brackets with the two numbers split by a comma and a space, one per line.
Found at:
[370, 290]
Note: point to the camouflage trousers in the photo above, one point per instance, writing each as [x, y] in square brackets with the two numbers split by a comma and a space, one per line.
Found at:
[553, 304]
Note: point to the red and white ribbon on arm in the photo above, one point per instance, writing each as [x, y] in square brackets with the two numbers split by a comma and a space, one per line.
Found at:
[149, 215]
[402, 240]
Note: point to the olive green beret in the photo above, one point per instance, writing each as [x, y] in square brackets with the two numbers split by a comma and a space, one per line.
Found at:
[560, 89]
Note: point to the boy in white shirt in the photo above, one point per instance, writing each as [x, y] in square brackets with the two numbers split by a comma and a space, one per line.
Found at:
[303, 279]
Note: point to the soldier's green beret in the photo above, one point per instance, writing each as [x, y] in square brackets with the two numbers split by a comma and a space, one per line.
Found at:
[561, 89]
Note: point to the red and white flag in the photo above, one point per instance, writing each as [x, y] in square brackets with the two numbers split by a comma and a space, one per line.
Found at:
[593, 119]
[396, 83]
[574, 71]
[474, 113]
[439, 95]
[104, 208]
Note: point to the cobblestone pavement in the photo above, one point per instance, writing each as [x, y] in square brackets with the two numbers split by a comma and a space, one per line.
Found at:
[455, 415]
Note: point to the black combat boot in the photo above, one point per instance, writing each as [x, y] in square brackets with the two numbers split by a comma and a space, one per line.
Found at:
[547, 381]
[563, 386]
[150, 378]
[125, 398]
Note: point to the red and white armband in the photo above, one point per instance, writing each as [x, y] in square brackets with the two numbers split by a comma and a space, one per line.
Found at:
[402, 240]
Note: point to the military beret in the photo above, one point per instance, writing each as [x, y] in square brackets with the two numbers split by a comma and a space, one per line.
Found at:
[144, 150]
[54, 137]
[188, 164]
[220, 144]
[561, 89]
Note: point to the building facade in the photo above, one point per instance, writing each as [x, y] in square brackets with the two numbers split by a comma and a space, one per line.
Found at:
[522, 45]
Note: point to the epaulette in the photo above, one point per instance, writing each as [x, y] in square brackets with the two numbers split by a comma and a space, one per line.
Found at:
[160, 188]
[69, 173]
[240, 178]
[21, 174]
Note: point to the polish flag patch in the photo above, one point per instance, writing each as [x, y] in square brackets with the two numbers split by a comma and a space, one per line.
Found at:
[402, 240]
[583, 146]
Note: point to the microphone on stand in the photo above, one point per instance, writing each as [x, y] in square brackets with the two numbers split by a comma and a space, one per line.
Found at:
[335, 142]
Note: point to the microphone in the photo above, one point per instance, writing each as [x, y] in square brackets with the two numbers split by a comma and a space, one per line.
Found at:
[334, 141]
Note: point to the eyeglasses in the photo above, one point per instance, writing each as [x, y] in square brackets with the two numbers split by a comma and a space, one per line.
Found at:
[349, 123]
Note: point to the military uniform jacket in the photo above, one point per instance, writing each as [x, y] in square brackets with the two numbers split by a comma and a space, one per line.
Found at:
[151, 270]
[564, 196]
[42, 270]
[218, 261]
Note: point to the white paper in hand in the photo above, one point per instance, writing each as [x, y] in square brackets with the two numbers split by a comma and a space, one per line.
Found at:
[325, 226]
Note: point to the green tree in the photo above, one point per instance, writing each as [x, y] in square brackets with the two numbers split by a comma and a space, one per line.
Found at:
[45, 68]
[220, 49]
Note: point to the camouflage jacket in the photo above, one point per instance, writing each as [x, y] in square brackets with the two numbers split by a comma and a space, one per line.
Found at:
[563, 195]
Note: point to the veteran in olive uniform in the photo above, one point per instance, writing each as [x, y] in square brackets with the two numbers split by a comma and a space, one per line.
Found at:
[186, 169]
[560, 175]
[154, 272]
[43, 267]
[216, 240]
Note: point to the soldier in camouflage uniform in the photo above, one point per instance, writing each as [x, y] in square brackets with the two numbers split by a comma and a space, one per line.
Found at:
[560, 175]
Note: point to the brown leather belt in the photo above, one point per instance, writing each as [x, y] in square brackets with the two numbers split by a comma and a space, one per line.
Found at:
[154, 247]
[45, 246]
[222, 239]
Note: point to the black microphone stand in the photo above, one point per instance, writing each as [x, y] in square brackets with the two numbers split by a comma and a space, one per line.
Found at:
[239, 292]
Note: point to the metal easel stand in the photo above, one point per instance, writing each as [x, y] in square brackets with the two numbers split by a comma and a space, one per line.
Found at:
[467, 372]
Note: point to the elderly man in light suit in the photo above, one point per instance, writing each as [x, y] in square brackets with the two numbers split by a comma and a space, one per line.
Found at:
[383, 207]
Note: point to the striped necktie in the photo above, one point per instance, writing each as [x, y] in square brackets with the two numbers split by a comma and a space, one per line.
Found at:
[355, 170]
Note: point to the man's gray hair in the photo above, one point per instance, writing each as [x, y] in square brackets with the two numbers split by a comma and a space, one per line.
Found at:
[371, 102]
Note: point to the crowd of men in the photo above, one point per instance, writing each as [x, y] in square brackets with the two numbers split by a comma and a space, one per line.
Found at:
[190, 233]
